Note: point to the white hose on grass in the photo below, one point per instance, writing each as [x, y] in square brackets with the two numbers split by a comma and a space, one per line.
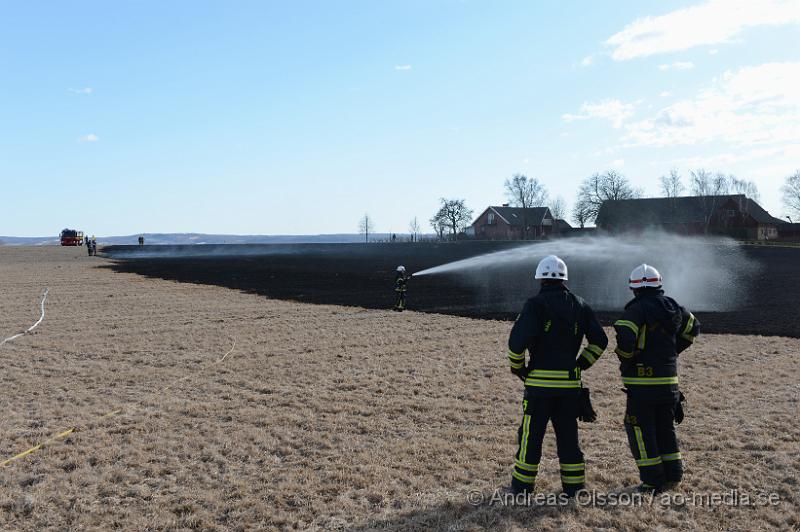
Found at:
[32, 327]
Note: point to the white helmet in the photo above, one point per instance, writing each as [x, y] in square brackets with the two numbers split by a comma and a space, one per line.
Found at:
[552, 267]
[645, 276]
[401, 269]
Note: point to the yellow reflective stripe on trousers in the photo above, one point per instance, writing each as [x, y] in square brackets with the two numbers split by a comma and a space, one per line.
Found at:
[550, 373]
[640, 442]
[527, 479]
[573, 480]
[552, 384]
[573, 467]
[526, 467]
[672, 456]
[644, 462]
[649, 381]
[629, 324]
[523, 442]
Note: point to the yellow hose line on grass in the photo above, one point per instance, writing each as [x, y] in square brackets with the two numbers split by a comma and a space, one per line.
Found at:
[71, 430]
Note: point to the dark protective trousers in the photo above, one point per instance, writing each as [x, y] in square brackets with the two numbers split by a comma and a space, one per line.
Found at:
[563, 412]
[401, 300]
[651, 436]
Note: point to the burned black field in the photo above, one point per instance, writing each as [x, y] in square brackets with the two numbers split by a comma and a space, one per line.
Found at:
[362, 275]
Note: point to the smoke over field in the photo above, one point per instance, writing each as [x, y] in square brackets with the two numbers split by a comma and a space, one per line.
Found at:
[738, 289]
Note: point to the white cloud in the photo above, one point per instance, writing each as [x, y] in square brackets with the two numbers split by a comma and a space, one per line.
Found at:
[587, 61]
[677, 65]
[402, 67]
[751, 107]
[617, 163]
[85, 90]
[91, 137]
[665, 94]
[614, 110]
[713, 51]
[712, 22]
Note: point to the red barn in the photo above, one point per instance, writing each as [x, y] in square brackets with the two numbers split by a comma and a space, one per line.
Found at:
[512, 223]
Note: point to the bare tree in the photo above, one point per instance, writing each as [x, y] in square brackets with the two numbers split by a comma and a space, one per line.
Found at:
[672, 184]
[439, 225]
[581, 213]
[413, 228]
[743, 186]
[366, 226]
[453, 215]
[527, 193]
[708, 188]
[597, 188]
[558, 208]
[791, 193]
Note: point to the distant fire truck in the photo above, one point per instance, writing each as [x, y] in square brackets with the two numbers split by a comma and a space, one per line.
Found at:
[71, 237]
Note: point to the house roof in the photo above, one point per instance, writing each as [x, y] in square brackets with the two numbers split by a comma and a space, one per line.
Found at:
[682, 210]
[515, 215]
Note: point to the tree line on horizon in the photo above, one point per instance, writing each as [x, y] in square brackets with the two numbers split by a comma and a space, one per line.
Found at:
[453, 216]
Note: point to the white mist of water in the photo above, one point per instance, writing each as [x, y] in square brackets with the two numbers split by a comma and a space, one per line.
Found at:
[704, 274]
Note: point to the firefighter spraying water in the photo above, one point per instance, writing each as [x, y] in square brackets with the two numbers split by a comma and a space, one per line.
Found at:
[400, 288]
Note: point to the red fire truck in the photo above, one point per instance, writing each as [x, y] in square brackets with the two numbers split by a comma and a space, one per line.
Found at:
[71, 237]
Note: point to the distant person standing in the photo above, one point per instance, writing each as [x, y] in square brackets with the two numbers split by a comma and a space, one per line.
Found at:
[653, 330]
[400, 288]
[94, 246]
[141, 240]
[88, 242]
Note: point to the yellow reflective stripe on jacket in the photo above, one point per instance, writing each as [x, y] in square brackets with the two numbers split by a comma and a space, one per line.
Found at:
[642, 337]
[672, 456]
[649, 380]
[516, 360]
[688, 329]
[514, 356]
[623, 354]
[588, 356]
[629, 324]
[550, 373]
[552, 384]
[596, 350]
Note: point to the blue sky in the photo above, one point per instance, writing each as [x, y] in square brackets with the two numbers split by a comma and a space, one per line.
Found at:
[298, 117]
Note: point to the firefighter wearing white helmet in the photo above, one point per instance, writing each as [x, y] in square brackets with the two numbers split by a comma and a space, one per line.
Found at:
[400, 288]
[551, 328]
[651, 333]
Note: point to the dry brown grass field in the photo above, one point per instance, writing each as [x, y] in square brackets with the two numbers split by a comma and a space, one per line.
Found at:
[331, 418]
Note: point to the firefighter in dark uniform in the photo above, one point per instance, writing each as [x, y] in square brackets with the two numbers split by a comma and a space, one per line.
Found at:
[400, 288]
[650, 334]
[551, 327]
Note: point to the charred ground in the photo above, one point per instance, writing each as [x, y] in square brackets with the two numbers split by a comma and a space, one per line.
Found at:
[361, 275]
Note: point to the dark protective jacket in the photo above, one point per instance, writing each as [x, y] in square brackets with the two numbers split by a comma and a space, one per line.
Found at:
[551, 327]
[400, 283]
[650, 334]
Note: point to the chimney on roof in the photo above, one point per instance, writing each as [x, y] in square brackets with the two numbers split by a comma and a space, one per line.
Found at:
[505, 204]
